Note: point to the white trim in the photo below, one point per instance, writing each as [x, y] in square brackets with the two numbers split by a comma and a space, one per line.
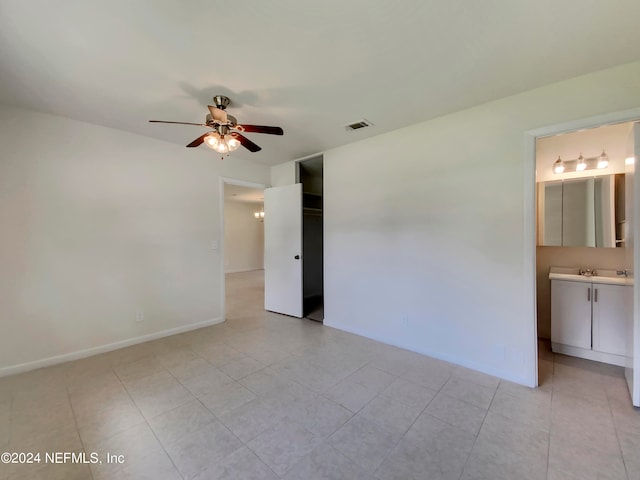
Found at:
[309, 157]
[433, 354]
[633, 365]
[242, 183]
[529, 265]
[612, 118]
[240, 270]
[529, 193]
[67, 357]
[611, 358]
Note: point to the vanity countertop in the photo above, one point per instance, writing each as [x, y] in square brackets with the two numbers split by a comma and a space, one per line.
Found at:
[602, 276]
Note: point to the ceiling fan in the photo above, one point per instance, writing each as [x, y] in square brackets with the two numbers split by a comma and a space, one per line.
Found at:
[226, 133]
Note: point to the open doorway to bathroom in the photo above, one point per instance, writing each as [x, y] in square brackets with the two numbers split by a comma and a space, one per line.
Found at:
[584, 198]
[571, 231]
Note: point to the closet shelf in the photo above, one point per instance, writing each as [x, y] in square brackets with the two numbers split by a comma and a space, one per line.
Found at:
[312, 211]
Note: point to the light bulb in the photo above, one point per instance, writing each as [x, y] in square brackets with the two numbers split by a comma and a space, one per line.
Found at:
[603, 160]
[212, 140]
[581, 165]
[558, 167]
[232, 142]
[222, 147]
[629, 160]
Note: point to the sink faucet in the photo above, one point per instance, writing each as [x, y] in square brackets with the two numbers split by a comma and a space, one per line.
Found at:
[622, 272]
[588, 272]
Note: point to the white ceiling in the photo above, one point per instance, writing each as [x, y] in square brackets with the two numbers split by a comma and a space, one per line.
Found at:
[309, 67]
[236, 193]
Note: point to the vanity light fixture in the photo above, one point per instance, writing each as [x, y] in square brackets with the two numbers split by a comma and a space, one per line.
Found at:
[581, 164]
[558, 167]
[630, 160]
[259, 215]
[603, 160]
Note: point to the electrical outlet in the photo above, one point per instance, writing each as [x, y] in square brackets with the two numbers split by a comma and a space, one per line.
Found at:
[139, 315]
[405, 320]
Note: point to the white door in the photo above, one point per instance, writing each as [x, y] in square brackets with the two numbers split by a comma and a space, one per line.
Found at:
[571, 313]
[632, 372]
[283, 250]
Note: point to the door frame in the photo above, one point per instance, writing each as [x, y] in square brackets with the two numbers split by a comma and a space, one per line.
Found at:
[529, 190]
[240, 183]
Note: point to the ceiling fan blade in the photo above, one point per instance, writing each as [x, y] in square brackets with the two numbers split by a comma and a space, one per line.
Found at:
[198, 141]
[179, 123]
[260, 129]
[246, 143]
[218, 114]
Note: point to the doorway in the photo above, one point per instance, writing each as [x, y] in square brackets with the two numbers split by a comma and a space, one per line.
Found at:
[310, 175]
[242, 231]
[542, 169]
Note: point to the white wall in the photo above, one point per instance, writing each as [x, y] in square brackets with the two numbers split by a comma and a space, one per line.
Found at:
[283, 174]
[243, 237]
[424, 226]
[97, 223]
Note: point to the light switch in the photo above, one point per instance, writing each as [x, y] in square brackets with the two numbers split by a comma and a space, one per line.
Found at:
[214, 244]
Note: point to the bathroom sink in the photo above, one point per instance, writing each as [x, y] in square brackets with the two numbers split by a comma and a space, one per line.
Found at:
[609, 276]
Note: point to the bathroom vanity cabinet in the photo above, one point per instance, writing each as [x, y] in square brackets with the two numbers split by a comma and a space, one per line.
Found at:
[589, 316]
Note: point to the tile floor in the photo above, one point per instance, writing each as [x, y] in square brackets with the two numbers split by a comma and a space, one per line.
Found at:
[264, 396]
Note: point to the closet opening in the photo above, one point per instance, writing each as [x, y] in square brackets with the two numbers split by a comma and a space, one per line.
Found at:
[310, 176]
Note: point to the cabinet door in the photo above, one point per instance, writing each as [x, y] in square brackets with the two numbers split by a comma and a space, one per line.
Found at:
[571, 313]
[610, 312]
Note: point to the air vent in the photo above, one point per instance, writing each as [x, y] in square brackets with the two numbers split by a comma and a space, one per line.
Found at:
[358, 125]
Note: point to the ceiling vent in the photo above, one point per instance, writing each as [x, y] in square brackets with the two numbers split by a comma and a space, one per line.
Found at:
[358, 125]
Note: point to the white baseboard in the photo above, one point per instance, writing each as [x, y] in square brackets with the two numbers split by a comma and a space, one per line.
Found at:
[239, 270]
[613, 359]
[433, 354]
[67, 357]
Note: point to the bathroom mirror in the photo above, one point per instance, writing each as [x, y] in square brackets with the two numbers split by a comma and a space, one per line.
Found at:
[582, 212]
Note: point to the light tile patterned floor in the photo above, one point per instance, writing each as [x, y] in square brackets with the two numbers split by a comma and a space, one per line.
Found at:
[264, 396]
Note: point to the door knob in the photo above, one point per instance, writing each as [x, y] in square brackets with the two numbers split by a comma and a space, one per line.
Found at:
[297, 257]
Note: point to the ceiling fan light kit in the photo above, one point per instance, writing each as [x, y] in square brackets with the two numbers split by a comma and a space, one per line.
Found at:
[221, 143]
[225, 136]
